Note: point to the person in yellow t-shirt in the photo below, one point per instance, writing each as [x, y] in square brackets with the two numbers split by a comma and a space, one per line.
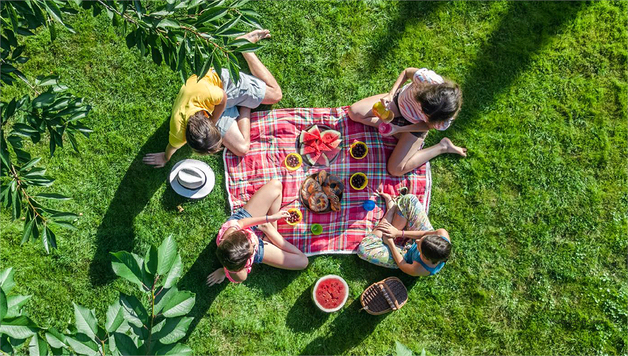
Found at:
[204, 112]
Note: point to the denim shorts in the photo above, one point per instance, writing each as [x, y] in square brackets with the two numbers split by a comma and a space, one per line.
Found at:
[249, 91]
[243, 214]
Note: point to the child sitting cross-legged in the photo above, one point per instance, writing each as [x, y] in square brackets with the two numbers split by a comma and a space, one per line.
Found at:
[238, 246]
[405, 239]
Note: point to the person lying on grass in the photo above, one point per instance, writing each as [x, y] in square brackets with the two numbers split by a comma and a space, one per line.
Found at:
[405, 239]
[205, 110]
[238, 246]
[426, 103]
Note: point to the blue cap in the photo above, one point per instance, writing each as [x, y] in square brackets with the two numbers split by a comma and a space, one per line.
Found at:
[368, 205]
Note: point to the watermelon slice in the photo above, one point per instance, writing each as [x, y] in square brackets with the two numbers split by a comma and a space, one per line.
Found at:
[315, 131]
[329, 136]
[313, 157]
[331, 154]
[332, 145]
[308, 137]
[323, 160]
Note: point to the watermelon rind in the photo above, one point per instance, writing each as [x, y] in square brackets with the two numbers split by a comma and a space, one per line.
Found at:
[344, 301]
[323, 160]
[314, 130]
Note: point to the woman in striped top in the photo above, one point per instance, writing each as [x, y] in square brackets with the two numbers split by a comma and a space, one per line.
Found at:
[428, 102]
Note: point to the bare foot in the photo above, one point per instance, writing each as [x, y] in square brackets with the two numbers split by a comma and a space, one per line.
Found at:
[255, 35]
[451, 148]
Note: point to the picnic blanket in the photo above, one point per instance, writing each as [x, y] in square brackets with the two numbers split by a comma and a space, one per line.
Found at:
[274, 135]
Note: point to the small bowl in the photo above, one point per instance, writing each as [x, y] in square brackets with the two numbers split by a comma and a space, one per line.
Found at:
[316, 229]
[366, 181]
[295, 210]
[366, 149]
[298, 156]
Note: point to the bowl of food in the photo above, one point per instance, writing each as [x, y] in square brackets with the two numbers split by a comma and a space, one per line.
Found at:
[296, 216]
[330, 293]
[358, 181]
[319, 145]
[293, 161]
[358, 150]
[322, 192]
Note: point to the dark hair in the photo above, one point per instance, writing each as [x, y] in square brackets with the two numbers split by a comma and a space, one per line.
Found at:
[201, 134]
[435, 248]
[234, 250]
[439, 101]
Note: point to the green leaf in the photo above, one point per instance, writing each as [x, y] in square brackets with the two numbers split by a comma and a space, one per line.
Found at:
[125, 344]
[6, 279]
[423, 353]
[4, 307]
[211, 15]
[229, 24]
[10, 110]
[151, 261]
[175, 273]
[18, 328]
[85, 321]
[165, 23]
[403, 350]
[55, 338]
[130, 39]
[156, 55]
[15, 304]
[249, 47]
[115, 317]
[63, 224]
[175, 349]
[167, 254]
[28, 231]
[82, 345]
[77, 116]
[47, 81]
[37, 346]
[133, 311]
[16, 204]
[128, 266]
[53, 196]
[179, 304]
[60, 216]
[30, 164]
[43, 100]
[172, 330]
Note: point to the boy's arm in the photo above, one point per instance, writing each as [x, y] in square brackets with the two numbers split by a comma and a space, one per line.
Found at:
[406, 267]
[159, 160]
[237, 138]
[219, 108]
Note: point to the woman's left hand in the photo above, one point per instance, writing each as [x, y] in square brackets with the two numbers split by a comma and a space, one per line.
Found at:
[388, 231]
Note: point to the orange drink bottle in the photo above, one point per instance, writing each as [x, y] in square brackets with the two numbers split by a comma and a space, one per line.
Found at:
[382, 113]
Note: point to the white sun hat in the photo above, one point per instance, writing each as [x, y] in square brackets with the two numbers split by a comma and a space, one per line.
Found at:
[192, 178]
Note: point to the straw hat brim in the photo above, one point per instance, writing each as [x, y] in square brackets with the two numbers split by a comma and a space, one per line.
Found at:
[192, 193]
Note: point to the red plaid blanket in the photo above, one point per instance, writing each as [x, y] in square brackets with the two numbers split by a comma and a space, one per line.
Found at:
[273, 136]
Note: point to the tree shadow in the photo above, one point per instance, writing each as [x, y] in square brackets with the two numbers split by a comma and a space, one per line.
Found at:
[523, 31]
[139, 184]
[408, 13]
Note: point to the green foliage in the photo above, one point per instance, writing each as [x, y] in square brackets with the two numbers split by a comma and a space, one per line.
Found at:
[130, 327]
[189, 36]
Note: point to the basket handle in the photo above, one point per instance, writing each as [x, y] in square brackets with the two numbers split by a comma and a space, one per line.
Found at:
[392, 301]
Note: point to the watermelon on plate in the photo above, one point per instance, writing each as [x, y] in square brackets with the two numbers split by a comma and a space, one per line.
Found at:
[329, 136]
[323, 160]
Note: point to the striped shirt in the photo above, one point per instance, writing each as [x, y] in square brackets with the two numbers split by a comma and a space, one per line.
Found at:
[411, 109]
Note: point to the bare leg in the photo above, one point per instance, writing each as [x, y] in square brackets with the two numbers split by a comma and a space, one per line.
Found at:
[259, 70]
[279, 258]
[267, 200]
[362, 111]
[407, 154]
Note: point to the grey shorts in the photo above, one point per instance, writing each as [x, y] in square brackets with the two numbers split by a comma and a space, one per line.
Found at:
[249, 91]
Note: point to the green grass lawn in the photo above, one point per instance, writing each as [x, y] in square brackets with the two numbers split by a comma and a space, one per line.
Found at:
[537, 212]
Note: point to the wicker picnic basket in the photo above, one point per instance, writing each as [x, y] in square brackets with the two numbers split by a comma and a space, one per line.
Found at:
[384, 296]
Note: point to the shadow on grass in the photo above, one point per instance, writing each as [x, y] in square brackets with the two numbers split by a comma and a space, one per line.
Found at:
[408, 13]
[139, 184]
[524, 31]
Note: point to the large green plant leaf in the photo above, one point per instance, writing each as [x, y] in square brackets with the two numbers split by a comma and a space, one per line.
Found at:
[174, 349]
[151, 261]
[18, 328]
[128, 266]
[134, 311]
[115, 317]
[175, 273]
[4, 307]
[403, 350]
[15, 304]
[125, 344]
[85, 320]
[81, 344]
[171, 330]
[167, 255]
[6, 279]
[37, 346]
[56, 339]
[179, 304]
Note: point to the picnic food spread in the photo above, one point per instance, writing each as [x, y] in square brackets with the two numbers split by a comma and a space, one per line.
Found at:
[319, 148]
[322, 192]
